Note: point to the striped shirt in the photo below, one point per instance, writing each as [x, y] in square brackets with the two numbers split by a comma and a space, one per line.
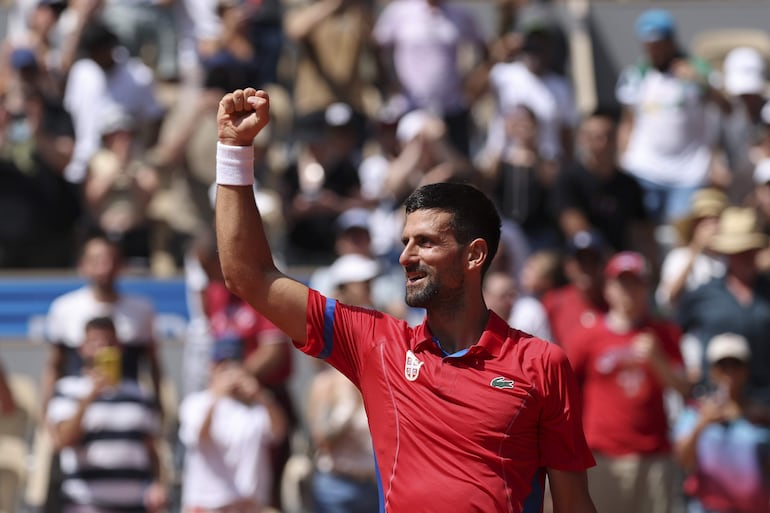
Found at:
[111, 467]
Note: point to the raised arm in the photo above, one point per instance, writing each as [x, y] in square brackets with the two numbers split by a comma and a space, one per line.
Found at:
[245, 256]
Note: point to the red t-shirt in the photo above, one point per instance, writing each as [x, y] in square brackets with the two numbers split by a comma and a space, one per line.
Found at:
[230, 314]
[623, 410]
[473, 431]
[568, 313]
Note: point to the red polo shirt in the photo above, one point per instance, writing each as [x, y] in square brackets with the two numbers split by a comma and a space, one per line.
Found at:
[473, 431]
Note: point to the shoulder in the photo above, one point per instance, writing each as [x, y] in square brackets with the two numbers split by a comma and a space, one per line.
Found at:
[70, 299]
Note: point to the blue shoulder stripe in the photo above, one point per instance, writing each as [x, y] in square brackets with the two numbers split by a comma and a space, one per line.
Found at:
[329, 309]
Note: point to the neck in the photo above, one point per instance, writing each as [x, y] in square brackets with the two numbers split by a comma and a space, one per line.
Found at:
[458, 328]
[600, 166]
[106, 293]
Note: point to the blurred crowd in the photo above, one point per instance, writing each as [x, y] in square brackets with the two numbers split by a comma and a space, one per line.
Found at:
[635, 236]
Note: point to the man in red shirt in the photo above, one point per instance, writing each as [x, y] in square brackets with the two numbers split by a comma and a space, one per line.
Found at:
[466, 413]
[579, 304]
[624, 362]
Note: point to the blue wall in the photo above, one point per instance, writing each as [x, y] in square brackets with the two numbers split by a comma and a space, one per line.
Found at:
[24, 302]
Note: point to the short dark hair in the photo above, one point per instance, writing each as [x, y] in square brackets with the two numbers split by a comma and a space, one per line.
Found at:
[474, 215]
[101, 323]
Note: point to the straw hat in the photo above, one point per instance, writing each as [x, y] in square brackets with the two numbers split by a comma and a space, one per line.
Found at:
[706, 202]
[738, 232]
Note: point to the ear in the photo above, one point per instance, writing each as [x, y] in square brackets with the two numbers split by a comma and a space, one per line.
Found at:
[477, 254]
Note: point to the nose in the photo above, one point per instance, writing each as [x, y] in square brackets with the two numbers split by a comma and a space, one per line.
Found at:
[407, 255]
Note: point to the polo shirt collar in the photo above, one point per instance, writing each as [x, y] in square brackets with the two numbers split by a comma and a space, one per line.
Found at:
[491, 340]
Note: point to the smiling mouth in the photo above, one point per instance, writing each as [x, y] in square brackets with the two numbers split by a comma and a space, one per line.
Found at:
[414, 278]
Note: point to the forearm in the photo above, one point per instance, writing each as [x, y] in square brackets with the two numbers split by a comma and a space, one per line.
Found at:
[243, 247]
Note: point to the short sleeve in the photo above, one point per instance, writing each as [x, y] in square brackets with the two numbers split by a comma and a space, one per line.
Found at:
[340, 334]
[562, 441]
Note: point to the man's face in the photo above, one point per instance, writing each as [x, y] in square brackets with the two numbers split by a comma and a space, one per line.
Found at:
[597, 137]
[500, 293]
[432, 259]
[660, 52]
[100, 263]
[96, 339]
[627, 293]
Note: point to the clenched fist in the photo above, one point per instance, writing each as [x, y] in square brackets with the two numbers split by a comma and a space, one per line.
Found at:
[242, 115]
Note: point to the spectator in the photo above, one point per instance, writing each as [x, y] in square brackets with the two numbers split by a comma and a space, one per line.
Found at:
[36, 142]
[334, 38]
[353, 247]
[266, 355]
[625, 362]
[227, 431]
[664, 141]
[594, 194]
[722, 440]
[100, 263]
[322, 183]
[522, 312]
[524, 75]
[101, 78]
[745, 84]
[106, 429]
[344, 480]
[119, 186]
[739, 302]
[420, 40]
[541, 273]
[580, 303]
[522, 180]
[693, 263]
[425, 157]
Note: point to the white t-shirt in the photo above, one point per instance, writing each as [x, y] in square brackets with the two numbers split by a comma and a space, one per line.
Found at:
[133, 317]
[669, 141]
[529, 316]
[235, 464]
[549, 97]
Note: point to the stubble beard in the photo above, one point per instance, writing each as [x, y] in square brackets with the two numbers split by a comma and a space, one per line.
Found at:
[421, 298]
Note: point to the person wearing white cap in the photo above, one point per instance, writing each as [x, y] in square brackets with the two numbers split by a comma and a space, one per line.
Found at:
[722, 439]
[745, 84]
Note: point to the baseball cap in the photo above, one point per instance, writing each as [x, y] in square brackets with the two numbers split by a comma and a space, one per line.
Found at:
[585, 240]
[728, 345]
[228, 346]
[352, 268]
[744, 71]
[654, 25]
[626, 262]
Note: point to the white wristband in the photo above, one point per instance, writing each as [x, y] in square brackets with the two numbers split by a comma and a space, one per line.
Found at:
[235, 165]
